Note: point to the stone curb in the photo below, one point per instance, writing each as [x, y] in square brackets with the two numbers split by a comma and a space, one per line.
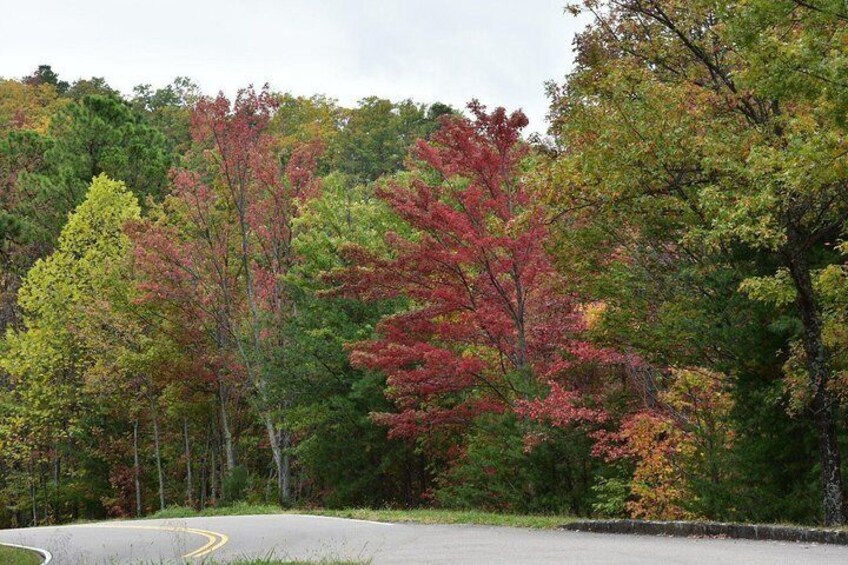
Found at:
[711, 529]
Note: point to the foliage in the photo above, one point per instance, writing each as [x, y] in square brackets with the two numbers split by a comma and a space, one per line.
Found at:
[499, 472]
[272, 561]
[241, 305]
[378, 134]
[482, 326]
[49, 409]
[234, 509]
[347, 456]
[27, 106]
[45, 75]
[693, 155]
[438, 516]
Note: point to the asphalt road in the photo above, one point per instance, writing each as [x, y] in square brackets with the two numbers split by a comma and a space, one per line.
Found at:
[224, 538]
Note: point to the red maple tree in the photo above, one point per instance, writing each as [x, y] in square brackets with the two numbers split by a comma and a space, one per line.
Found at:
[220, 264]
[490, 327]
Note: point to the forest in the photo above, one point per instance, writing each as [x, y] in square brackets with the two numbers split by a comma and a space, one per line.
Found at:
[275, 299]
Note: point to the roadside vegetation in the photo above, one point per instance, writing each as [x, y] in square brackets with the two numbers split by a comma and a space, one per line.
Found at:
[17, 556]
[234, 304]
[417, 516]
[434, 516]
[272, 561]
[236, 509]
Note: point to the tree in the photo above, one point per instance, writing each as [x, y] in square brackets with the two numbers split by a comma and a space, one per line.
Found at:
[225, 266]
[99, 135]
[169, 109]
[102, 134]
[377, 135]
[344, 458]
[47, 359]
[21, 153]
[679, 449]
[299, 120]
[486, 330]
[668, 116]
[27, 106]
[50, 154]
[94, 86]
[45, 74]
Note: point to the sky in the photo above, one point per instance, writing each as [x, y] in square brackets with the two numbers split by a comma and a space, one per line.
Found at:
[499, 51]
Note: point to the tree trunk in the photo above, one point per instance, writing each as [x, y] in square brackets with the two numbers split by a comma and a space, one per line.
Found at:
[57, 483]
[203, 473]
[34, 501]
[45, 492]
[189, 486]
[286, 482]
[229, 449]
[279, 441]
[158, 453]
[136, 470]
[819, 372]
[213, 470]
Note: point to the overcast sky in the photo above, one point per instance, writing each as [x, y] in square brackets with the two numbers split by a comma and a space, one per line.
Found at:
[500, 51]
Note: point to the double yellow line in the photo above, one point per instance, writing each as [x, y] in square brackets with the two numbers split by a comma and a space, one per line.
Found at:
[215, 540]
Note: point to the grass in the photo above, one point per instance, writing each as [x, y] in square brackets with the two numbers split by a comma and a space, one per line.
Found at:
[16, 556]
[280, 562]
[237, 509]
[419, 516]
[431, 516]
[271, 560]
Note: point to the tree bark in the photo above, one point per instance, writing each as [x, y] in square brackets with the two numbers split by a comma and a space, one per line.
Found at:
[57, 483]
[229, 448]
[136, 470]
[286, 481]
[819, 372]
[203, 473]
[34, 500]
[213, 470]
[279, 441]
[189, 485]
[158, 453]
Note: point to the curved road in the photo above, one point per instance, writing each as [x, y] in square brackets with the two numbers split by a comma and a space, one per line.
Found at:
[289, 536]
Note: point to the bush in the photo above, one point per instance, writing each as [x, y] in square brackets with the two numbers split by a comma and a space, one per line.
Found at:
[499, 473]
[236, 485]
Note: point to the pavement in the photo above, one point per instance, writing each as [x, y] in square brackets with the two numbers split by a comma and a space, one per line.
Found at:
[222, 539]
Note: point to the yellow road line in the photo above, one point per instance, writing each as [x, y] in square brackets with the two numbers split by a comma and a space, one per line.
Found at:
[215, 540]
[211, 546]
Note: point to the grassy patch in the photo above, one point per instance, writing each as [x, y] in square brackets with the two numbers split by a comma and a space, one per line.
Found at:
[16, 556]
[271, 560]
[237, 509]
[420, 516]
[279, 562]
[430, 516]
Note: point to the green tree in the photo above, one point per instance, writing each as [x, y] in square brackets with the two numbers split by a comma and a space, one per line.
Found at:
[54, 421]
[377, 135]
[299, 120]
[169, 109]
[45, 74]
[100, 134]
[669, 124]
[344, 455]
[94, 86]
[21, 153]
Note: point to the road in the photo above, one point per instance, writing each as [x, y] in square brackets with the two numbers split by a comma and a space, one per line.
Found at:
[288, 536]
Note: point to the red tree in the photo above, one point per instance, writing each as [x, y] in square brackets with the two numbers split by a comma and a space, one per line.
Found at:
[489, 326]
[221, 261]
